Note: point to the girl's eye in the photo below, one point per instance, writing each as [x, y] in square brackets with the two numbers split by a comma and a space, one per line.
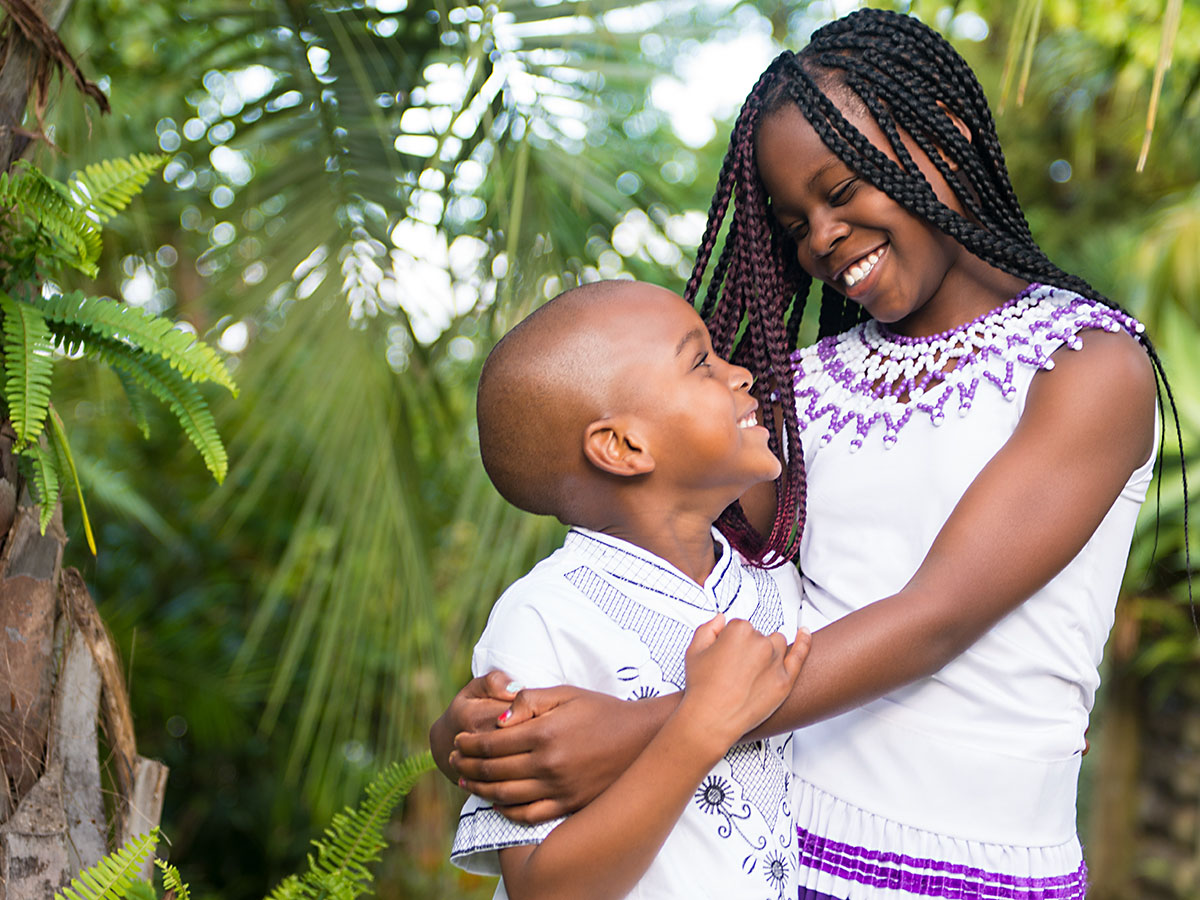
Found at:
[702, 361]
[798, 230]
[843, 192]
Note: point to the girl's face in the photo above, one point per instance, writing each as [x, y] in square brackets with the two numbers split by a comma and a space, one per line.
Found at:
[851, 235]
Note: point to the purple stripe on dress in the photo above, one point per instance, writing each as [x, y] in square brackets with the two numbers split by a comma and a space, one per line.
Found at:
[880, 869]
[810, 894]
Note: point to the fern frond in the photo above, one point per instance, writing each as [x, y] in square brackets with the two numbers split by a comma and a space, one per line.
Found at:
[66, 466]
[41, 200]
[28, 366]
[112, 875]
[291, 888]
[103, 189]
[172, 880]
[137, 402]
[46, 481]
[193, 358]
[178, 394]
[354, 838]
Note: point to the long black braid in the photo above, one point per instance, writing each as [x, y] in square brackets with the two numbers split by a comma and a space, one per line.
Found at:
[907, 76]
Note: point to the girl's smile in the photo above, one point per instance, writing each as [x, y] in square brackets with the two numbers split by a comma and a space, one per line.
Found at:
[904, 271]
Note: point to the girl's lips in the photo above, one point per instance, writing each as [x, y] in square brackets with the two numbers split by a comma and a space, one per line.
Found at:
[864, 285]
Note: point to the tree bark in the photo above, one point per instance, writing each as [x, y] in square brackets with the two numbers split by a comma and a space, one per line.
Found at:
[18, 69]
[59, 670]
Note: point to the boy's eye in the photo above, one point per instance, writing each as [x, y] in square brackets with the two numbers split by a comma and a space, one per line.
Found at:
[797, 230]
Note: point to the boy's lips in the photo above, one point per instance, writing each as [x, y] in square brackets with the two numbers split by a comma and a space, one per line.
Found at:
[750, 419]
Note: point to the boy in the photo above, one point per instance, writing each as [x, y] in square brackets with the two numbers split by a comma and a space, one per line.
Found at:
[608, 409]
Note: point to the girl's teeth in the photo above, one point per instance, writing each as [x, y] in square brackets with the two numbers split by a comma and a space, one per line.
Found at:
[860, 270]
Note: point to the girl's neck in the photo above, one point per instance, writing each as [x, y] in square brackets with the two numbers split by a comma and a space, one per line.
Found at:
[972, 288]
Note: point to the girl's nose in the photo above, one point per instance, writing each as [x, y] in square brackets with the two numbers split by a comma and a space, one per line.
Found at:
[740, 378]
[825, 231]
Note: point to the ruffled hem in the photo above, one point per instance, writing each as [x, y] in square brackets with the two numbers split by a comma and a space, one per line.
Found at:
[849, 853]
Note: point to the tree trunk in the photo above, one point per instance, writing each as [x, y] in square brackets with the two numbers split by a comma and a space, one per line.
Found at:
[58, 667]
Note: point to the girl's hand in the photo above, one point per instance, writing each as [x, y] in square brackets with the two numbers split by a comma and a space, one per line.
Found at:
[556, 752]
[474, 708]
[736, 676]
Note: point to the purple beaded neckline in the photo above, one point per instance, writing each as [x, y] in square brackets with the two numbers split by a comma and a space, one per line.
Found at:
[895, 338]
[870, 379]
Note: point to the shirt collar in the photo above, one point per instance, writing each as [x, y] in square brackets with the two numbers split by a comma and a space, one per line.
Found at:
[632, 564]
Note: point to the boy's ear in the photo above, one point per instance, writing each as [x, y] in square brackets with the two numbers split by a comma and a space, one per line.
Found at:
[612, 446]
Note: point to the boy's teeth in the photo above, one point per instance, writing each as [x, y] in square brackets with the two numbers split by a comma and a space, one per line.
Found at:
[860, 269]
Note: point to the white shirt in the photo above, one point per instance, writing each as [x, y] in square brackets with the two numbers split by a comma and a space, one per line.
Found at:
[604, 614]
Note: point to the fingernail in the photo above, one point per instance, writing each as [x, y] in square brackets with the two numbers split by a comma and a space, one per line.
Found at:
[514, 687]
[462, 783]
[504, 716]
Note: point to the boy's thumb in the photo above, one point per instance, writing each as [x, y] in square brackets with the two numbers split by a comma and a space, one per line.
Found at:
[707, 633]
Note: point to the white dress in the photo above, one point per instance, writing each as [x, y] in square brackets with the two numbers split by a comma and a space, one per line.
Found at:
[963, 784]
[604, 614]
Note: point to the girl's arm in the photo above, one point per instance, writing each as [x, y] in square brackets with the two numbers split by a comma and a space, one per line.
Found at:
[735, 678]
[1087, 425]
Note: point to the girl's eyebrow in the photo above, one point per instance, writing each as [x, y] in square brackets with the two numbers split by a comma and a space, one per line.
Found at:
[829, 164]
[694, 335]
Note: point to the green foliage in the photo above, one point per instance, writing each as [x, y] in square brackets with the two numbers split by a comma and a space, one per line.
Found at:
[339, 871]
[172, 880]
[50, 224]
[103, 189]
[354, 839]
[112, 877]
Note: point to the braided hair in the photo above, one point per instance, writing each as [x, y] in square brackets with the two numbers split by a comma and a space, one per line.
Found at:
[907, 77]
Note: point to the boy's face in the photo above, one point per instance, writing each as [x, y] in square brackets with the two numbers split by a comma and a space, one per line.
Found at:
[694, 408]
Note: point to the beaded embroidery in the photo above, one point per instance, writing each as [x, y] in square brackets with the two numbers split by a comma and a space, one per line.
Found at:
[860, 377]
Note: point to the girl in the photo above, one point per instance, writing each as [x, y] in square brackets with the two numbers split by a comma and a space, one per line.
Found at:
[978, 432]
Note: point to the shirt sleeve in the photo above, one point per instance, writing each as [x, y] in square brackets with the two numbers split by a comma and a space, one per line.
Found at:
[520, 639]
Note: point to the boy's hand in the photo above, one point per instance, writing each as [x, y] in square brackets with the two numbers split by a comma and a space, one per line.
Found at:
[736, 677]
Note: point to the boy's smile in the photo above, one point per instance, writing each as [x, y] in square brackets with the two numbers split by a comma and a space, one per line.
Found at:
[695, 409]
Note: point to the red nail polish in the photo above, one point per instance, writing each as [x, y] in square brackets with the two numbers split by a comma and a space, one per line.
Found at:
[504, 716]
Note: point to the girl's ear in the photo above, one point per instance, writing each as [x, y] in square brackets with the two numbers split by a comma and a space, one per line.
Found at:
[958, 123]
[613, 445]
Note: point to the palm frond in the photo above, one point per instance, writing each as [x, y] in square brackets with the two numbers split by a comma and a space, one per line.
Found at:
[28, 366]
[103, 189]
[111, 877]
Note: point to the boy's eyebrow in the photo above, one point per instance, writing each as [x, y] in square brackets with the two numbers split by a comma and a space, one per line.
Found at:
[694, 335]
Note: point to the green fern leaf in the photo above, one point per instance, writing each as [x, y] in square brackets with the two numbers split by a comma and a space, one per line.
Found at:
[112, 876]
[172, 880]
[103, 189]
[291, 888]
[66, 466]
[46, 482]
[355, 838]
[137, 402]
[178, 394]
[28, 366]
[45, 203]
[193, 358]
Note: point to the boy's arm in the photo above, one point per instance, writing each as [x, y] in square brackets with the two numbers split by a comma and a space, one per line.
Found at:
[735, 677]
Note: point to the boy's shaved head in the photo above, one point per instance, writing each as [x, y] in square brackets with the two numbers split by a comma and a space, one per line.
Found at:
[543, 384]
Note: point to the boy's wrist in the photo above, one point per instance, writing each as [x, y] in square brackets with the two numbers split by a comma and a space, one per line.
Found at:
[707, 735]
